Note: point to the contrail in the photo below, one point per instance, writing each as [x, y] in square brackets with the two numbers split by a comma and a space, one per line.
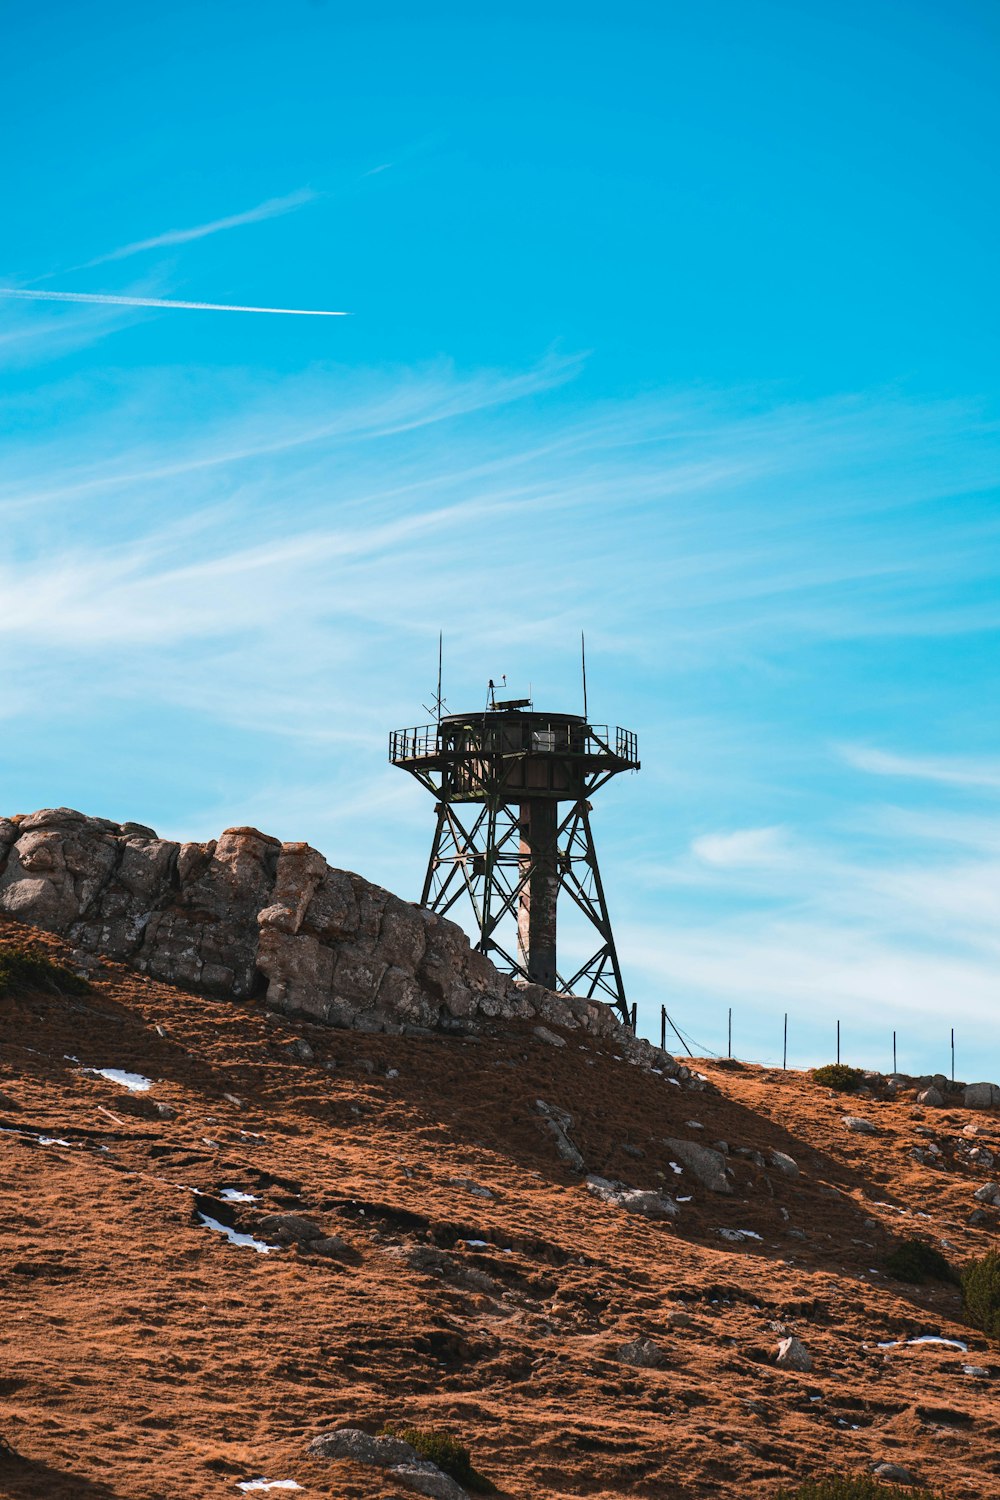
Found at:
[292, 312]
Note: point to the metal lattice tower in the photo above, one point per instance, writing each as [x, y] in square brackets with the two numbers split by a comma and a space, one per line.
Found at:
[513, 789]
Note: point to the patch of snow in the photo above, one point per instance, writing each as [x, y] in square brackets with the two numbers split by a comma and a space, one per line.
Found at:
[684, 1200]
[476, 1244]
[675, 1081]
[247, 1485]
[737, 1236]
[134, 1082]
[675, 1168]
[53, 1140]
[235, 1237]
[927, 1338]
[233, 1195]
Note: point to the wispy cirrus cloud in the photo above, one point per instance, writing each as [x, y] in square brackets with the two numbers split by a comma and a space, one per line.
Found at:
[271, 208]
[108, 299]
[744, 847]
[946, 770]
[239, 581]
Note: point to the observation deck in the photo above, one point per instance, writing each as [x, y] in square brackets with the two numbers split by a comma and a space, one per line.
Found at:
[515, 754]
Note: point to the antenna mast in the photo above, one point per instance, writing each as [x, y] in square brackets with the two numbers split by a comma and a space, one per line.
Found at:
[583, 663]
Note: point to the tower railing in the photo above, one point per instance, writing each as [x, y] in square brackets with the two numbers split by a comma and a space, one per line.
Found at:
[503, 737]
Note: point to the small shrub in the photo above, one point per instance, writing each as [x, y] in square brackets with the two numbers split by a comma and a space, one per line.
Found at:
[981, 1293]
[447, 1452]
[30, 967]
[916, 1261]
[850, 1487]
[840, 1077]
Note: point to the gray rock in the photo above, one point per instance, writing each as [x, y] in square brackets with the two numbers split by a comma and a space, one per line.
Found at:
[300, 1050]
[633, 1200]
[792, 1354]
[679, 1319]
[361, 1448]
[427, 1479]
[859, 1125]
[981, 1096]
[643, 1353]
[930, 1097]
[785, 1163]
[703, 1162]
[559, 1122]
[895, 1473]
[224, 915]
[988, 1193]
[288, 1227]
[330, 1245]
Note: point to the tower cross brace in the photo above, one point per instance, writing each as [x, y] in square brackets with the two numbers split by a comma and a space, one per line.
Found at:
[513, 789]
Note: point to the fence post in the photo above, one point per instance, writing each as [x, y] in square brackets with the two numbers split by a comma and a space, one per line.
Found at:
[663, 1028]
[730, 1031]
[838, 1041]
[634, 1015]
[894, 1068]
[953, 1054]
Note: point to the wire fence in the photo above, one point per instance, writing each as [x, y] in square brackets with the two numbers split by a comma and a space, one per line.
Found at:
[692, 1047]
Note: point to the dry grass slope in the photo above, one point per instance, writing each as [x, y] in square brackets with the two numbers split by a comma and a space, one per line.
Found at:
[147, 1356]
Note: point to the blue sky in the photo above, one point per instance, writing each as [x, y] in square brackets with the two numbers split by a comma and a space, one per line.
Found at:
[675, 324]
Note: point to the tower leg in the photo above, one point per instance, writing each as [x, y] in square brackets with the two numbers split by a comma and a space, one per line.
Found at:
[536, 913]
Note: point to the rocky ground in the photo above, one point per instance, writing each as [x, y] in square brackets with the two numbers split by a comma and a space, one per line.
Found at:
[437, 1261]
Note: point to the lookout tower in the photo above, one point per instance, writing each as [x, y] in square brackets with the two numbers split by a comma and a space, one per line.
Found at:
[513, 789]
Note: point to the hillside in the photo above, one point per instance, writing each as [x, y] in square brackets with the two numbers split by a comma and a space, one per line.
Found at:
[467, 1280]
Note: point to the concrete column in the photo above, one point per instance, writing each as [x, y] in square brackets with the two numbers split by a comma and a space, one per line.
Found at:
[536, 915]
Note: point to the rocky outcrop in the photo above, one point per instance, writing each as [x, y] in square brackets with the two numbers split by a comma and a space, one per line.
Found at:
[246, 914]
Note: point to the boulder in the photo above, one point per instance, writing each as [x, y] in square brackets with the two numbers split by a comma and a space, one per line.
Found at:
[559, 1122]
[361, 1448]
[288, 1227]
[427, 1479]
[988, 1193]
[643, 1353]
[633, 1200]
[246, 914]
[545, 1035]
[893, 1473]
[859, 1125]
[704, 1163]
[931, 1097]
[784, 1163]
[792, 1354]
[981, 1096]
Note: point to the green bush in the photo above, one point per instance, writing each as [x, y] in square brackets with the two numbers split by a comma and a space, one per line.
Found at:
[981, 1293]
[29, 967]
[839, 1076]
[446, 1451]
[916, 1261]
[850, 1487]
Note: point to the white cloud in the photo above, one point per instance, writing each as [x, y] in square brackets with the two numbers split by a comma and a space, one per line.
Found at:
[952, 771]
[272, 208]
[744, 847]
